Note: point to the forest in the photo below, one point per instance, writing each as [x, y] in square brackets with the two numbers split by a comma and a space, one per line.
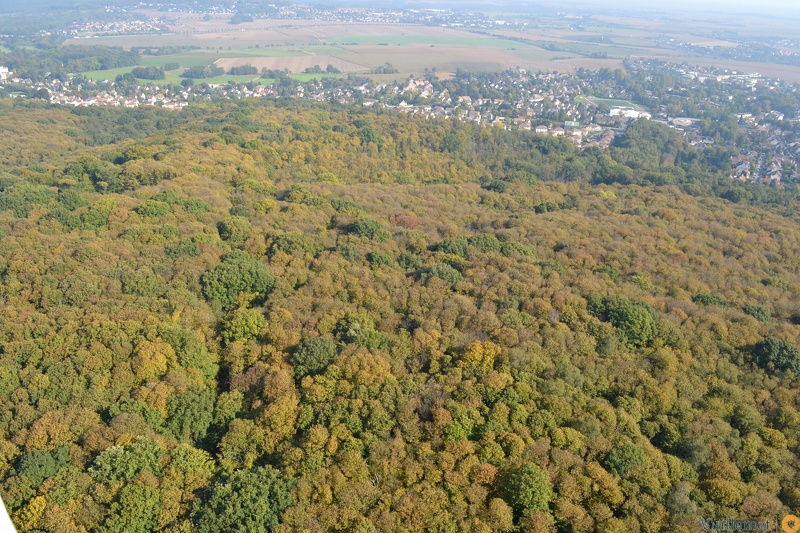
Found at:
[60, 61]
[284, 315]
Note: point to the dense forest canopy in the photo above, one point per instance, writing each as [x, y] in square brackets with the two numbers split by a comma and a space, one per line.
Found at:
[287, 316]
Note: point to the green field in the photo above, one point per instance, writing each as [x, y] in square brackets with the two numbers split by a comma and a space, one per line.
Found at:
[172, 77]
[591, 49]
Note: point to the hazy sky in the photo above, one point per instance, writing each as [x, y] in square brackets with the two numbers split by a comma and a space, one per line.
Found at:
[778, 8]
[766, 7]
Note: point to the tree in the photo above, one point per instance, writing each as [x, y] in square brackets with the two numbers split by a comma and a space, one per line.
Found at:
[190, 351]
[123, 463]
[635, 321]
[135, 509]
[148, 73]
[143, 282]
[777, 355]
[190, 414]
[623, 458]
[480, 355]
[244, 70]
[238, 272]
[234, 229]
[371, 229]
[444, 272]
[529, 489]
[247, 501]
[39, 465]
[312, 356]
[154, 209]
[244, 324]
[759, 312]
[209, 71]
[455, 246]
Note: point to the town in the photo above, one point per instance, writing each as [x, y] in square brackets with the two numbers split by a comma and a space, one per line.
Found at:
[588, 108]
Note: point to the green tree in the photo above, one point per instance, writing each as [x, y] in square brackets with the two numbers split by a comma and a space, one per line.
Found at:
[135, 510]
[623, 458]
[442, 271]
[244, 324]
[154, 209]
[312, 356]
[485, 242]
[238, 272]
[39, 465]
[371, 229]
[759, 312]
[379, 259]
[123, 463]
[529, 489]
[247, 501]
[455, 246]
[190, 414]
[234, 229]
[777, 355]
[143, 282]
[190, 351]
[635, 321]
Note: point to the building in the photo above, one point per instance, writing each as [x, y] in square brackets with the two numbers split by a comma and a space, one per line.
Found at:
[628, 112]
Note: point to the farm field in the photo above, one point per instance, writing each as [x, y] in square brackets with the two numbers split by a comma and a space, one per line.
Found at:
[602, 40]
[294, 64]
[351, 47]
[611, 50]
[468, 40]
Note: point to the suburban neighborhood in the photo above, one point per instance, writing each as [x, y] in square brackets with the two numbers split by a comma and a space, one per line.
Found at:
[583, 107]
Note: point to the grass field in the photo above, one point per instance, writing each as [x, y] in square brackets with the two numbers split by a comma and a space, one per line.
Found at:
[172, 77]
[608, 50]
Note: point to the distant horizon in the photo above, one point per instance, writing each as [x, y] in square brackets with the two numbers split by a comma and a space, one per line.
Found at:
[767, 8]
[740, 6]
[774, 7]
